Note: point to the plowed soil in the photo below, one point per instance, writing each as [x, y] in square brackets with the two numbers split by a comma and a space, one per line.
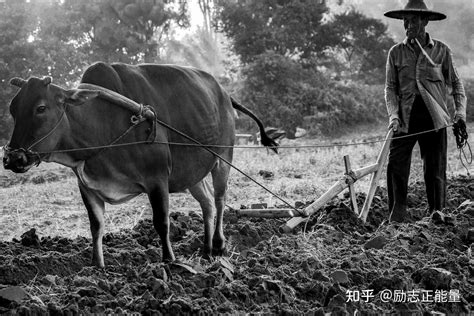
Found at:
[313, 270]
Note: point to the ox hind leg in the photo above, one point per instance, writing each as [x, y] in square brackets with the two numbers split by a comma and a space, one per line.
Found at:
[159, 200]
[95, 209]
[202, 192]
[214, 240]
[220, 176]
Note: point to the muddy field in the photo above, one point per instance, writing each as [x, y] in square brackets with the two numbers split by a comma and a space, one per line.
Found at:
[334, 263]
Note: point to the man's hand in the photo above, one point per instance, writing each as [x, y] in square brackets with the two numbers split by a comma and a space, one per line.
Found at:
[460, 132]
[394, 125]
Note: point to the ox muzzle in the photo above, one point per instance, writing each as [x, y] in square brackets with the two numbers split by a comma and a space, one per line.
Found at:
[19, 160]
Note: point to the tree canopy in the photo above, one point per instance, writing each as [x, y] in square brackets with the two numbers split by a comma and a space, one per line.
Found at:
[284, 54]
[293, 50]
[287, 27]
[60, 38]
[361, 44]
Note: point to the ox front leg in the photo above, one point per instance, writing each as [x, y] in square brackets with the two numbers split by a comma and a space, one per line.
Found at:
[95, 210]
[159, 200]
[202, 192]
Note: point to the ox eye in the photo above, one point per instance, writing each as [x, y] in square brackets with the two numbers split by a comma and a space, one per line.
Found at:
[41, 109]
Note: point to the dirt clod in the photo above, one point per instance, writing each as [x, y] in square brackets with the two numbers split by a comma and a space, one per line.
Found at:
[377, 242]
[437, 217]
[339, 276]
[310, 271]
[12, 294]
[433, 278]
[30, 239]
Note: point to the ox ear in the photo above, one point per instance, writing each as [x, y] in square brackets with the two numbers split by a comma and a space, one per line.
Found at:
[79, 96]
[47, 80]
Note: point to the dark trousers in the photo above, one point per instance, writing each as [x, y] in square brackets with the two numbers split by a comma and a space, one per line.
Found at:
[433, 148]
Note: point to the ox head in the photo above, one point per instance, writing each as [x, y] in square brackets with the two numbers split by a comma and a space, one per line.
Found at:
[40, 122]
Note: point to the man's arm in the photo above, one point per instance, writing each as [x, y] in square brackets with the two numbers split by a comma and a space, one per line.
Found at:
[391, 92]
[457, 88]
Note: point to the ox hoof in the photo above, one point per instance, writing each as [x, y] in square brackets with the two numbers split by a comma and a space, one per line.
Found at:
[218, 247]
[168, 260]
[219, 252]
[98, 266]
[206, 253]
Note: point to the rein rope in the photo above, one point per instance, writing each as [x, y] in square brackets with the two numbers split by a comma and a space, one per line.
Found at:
[51, 131]
[369, 142]
[461, 135]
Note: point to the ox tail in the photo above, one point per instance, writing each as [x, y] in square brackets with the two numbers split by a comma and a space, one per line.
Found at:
[266, 140]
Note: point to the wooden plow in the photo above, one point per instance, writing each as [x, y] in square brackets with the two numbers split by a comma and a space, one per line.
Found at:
[347, 181]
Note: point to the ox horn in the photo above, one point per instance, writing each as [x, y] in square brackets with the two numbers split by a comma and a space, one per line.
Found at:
[18, 82]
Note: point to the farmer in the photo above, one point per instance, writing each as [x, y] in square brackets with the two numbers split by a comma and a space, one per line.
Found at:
[419, 75]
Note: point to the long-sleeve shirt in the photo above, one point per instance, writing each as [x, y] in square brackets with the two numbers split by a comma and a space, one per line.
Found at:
[409, 74]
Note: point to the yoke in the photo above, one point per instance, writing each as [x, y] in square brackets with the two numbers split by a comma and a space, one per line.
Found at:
[140, 112]
[137, 109]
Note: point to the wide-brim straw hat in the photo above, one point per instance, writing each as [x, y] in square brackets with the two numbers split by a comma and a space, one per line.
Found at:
[416, 7]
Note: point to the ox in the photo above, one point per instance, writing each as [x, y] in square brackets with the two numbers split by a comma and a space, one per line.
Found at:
[71, 127]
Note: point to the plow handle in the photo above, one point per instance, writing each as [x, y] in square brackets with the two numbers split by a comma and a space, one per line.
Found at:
[374, 182]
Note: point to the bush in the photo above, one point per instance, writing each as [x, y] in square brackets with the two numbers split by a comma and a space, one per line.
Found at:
[469, 87]
[286, 95]
[346, 105]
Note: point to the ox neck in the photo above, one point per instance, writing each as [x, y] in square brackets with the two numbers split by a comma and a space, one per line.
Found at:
[95, 126]
[84, 125]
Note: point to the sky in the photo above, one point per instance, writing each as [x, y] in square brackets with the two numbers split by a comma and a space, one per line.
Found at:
[195, 13]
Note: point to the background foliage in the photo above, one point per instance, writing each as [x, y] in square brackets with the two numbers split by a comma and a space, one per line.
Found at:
[296, 63]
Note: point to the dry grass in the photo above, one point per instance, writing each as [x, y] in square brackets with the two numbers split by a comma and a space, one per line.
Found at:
[48, 199]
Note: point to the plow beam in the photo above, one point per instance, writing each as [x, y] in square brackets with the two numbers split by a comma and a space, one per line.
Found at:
[337, 188]
[267, 212]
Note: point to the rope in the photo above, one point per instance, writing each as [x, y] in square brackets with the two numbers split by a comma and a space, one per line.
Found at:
[51, 131]
[242, 147]
[227, 162]
[206, 147]
[462, 153]
[425, 53]
[461, 135]
[114, 142]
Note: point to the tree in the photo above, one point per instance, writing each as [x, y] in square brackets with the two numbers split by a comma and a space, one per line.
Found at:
[119, 30]
[291, 48]
[207, 9]
[61, 38]
[277, 88]
[18, 55]
[361, 43]
[291, 28]
[196, 49]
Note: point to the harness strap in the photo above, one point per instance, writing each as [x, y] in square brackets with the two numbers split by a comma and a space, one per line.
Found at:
[425, 53]
[152, 136]
[51, 131]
